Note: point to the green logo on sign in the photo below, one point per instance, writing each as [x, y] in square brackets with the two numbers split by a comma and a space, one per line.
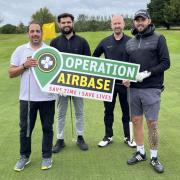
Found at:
[47, 62]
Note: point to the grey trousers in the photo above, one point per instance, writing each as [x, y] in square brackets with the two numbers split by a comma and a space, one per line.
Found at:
[62, 104]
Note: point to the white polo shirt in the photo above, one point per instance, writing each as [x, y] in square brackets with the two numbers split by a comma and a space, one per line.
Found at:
[18, 57]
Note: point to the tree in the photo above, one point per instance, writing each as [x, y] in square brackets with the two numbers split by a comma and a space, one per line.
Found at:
[92, 23]
[43, 16]
[128, 21]
[21, 28]
[156, 9]
[165, 12]
[82, 17]
[8, 29]
[172, 12]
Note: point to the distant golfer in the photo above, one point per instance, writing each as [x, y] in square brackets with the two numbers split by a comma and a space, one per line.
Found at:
[113, 47]
[32, 100]
[69, 42]
[148, 49]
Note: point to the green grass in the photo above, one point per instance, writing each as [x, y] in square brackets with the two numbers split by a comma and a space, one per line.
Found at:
[96, 164]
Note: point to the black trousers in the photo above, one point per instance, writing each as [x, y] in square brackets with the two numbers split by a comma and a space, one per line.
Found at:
[121, 91]
[46, 112]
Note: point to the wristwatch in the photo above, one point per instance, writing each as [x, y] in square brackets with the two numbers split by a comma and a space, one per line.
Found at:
[24, 67]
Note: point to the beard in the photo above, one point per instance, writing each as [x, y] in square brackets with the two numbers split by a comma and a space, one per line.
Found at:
[65, 32]
[141, 28]
[117, 31]
[36, 40]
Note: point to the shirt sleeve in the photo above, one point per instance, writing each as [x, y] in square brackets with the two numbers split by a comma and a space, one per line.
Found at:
[16, 57]
[52, 44]
[99, 50]
[86, 48]
[163, 57]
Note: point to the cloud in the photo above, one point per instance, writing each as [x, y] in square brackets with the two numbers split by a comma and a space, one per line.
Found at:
[17, 11]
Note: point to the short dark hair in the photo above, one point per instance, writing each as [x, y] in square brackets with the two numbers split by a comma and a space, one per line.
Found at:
[34, 22]
[64, 15]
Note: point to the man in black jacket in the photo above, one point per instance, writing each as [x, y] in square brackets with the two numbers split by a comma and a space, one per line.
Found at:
[148, 49]
[69, 42]
[113, 47]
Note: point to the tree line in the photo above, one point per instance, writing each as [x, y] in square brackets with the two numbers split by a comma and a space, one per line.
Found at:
[83, 22]
[164, 13]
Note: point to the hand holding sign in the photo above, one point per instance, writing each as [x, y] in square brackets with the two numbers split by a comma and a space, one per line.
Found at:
[126, 83]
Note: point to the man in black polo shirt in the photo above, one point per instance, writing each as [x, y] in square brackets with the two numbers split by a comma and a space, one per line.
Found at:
[69, 42]
[113, 47]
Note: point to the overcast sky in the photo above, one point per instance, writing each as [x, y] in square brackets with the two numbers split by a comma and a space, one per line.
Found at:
[16, 11]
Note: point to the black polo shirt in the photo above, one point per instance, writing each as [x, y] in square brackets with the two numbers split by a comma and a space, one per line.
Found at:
[75, 45]
[113, 49]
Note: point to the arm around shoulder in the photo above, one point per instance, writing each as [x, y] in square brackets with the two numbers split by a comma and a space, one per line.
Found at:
[86, 48]
[98, 50]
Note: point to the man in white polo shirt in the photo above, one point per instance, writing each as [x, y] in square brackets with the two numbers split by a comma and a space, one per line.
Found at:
[32, 100]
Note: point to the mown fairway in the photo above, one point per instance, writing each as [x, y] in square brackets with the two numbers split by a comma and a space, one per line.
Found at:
[96, 164]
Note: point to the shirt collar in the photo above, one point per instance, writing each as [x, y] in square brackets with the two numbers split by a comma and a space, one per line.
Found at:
[118, 40]
[28, 45]
[64, 36]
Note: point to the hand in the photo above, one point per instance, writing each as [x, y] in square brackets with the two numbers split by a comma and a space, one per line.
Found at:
[126, 83]
[62, 93]
[142, 75]
[30, 62]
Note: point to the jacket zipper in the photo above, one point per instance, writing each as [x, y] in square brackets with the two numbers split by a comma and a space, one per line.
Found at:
[140, 42]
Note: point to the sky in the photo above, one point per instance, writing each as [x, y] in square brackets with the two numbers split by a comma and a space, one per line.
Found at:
[16, 11]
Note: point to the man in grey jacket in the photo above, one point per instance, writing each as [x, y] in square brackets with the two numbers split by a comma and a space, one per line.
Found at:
[149, 49]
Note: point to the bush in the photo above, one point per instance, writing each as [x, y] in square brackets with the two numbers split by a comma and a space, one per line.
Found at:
[8, 29]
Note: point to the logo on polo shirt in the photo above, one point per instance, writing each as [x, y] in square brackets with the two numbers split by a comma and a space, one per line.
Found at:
[110, 46]
[47, 62]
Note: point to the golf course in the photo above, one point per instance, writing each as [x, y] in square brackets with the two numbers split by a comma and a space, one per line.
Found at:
[107, 163]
